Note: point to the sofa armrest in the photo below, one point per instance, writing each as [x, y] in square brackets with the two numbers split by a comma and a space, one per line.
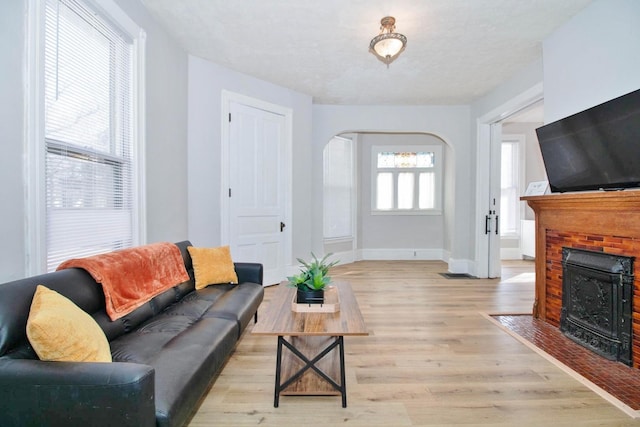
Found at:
[249, 272]
[34, 392]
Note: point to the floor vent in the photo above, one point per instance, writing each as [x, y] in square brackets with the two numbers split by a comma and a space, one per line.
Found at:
[457, 276]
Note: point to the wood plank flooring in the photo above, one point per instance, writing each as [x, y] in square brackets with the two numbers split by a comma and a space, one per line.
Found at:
[431, 359]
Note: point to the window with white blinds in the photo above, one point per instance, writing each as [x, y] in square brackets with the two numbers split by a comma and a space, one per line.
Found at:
[88, 134]
[338, 192]
[510, 181]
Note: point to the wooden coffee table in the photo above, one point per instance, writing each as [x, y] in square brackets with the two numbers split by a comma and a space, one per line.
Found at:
[314, 364]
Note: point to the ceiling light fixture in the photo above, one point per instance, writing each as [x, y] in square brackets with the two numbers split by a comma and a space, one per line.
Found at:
[387, 45]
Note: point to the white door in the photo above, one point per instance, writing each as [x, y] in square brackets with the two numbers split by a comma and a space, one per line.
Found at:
[492, 216]
[257, 191]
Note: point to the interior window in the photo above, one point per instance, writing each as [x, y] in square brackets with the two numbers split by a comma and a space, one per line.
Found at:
[406, 179]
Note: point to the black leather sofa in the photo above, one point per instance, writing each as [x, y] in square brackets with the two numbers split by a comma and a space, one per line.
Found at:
[165, 353]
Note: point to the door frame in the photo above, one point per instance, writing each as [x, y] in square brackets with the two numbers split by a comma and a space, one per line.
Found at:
[483, 168]
[225, 170]
[494, 201]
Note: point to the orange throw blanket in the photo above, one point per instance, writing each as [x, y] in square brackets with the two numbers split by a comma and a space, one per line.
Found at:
[131, 277]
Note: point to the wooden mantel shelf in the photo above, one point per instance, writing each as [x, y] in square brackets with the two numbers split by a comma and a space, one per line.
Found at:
[632, 195]
[601, 213]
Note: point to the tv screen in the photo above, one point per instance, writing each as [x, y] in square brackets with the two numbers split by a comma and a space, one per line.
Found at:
[596, 149]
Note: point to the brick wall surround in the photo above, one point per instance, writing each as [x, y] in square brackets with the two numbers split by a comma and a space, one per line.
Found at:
[599, 221]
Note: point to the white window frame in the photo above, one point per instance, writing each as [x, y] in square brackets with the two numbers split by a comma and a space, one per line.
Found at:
[518, 141]
[35, 197]
[438, 151]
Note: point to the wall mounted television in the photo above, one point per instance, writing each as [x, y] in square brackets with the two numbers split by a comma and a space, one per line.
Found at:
[596, 149]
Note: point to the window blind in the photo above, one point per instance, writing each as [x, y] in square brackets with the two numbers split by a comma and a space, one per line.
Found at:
[510, 189]
[88, 134]
[338, 188]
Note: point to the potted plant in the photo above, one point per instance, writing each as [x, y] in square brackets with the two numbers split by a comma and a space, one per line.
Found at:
[312, 279]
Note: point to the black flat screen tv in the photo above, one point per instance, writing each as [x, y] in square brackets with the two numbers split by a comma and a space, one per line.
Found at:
[596, 149]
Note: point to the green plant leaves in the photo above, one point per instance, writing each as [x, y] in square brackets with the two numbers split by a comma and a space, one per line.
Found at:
[313, 275]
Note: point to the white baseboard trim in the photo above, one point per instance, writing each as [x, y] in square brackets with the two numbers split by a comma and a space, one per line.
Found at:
[346, 257]
[402, 254]
[461, 266]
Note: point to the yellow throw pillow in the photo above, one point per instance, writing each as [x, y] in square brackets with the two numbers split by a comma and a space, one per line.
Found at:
[212, 265]
[59, 330]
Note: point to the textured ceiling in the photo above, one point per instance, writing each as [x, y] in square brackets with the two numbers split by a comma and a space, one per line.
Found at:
[457, 50]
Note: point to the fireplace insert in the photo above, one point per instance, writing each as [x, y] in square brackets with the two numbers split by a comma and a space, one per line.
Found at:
[597, 292]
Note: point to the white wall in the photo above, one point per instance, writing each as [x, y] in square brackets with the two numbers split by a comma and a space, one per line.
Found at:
[206, 83]
[450, 123]
[592, 58]
[12, 226]
[166, 126]
[165, 123]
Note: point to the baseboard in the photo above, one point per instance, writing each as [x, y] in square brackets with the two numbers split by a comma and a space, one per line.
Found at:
[346, 257]
[461, 266]
[464, 266]
[402, 254]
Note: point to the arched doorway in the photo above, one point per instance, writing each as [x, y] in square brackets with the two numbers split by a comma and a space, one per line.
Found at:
[417, 228]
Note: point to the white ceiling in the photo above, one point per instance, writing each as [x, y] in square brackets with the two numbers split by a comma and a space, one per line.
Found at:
[457, 50]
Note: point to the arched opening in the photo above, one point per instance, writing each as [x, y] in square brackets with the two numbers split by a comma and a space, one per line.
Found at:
[414, 223]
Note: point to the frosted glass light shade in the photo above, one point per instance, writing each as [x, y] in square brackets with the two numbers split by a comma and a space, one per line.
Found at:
[387, 45]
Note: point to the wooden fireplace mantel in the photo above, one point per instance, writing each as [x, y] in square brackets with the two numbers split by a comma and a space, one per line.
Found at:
[604, 213]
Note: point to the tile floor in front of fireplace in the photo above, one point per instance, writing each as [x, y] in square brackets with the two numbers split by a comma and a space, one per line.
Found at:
[619, 380]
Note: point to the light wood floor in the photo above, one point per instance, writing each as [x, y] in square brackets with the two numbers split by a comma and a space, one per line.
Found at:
[431, 359]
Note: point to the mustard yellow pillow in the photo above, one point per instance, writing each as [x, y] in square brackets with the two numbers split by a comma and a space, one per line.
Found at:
[212, 265]
[59, 330]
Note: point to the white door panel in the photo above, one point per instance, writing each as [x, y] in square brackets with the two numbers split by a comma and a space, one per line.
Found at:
[257, 188]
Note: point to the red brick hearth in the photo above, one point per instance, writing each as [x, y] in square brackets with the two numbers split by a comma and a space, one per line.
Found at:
[598, 221]
[617, 379]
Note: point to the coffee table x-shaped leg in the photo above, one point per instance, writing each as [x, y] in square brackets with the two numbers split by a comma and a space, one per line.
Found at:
[338, 344]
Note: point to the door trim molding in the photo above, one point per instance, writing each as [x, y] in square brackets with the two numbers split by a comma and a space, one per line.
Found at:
[227, 98]
[483, 165]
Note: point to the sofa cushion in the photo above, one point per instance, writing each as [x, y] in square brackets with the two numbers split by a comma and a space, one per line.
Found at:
[187, 366]
[212, 266]
[236, 302]
[185, 354]
[60, 331]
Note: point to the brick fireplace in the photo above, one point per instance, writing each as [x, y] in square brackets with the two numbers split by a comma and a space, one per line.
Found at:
[596, 221]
